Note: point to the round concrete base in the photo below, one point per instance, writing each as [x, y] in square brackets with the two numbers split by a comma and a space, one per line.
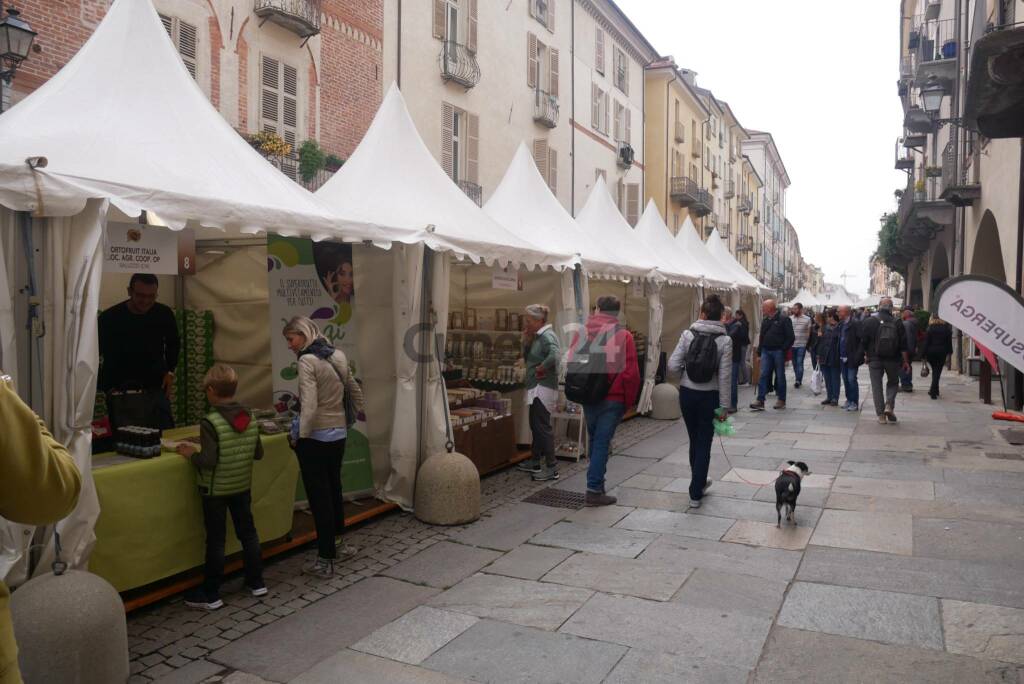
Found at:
[447, 490]
[665, 399]
[70, 628]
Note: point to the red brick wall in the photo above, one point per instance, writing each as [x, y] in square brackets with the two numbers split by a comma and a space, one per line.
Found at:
[242, 48]
[216, 44]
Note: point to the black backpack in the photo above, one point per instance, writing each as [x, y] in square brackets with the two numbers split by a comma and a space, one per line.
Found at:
[701, 358]
[586, 375]
[887, 344]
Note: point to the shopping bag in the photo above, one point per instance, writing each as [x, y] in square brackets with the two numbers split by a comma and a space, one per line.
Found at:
[925, 371]
[723, 428]
[817, 382]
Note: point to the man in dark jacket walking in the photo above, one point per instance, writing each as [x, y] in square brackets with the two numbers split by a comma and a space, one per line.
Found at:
[775, 340]
[910, 330]
[885, 345]
[851, 356]
[739, 333]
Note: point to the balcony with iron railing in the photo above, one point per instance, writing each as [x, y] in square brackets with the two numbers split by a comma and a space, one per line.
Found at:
[724, 228]
[904, 159]
[473, 191]
[745, 243]
[459, 65]
[545, 109]
[744, 205]
[688, 193]
[920, 217]
[288, 164]
[957, 188]
[680, 132]
[938, 45]
[301, 17]
[730, 189]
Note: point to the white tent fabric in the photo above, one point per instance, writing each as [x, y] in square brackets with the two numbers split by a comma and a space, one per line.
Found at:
[524, 205]
[712, 270]
[392, 181]
[743, 277]
[124, 120]
[678, 266]
[838, 297]
[601, 220]
[806, 298]
[8, 355]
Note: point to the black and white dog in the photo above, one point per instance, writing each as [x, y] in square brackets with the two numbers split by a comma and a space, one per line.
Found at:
[787, 489]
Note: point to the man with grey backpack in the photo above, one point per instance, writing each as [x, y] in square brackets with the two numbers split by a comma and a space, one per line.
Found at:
[703, 360]
[885, 345]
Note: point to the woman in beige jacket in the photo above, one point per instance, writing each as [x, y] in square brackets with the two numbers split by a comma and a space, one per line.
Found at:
[319, 432]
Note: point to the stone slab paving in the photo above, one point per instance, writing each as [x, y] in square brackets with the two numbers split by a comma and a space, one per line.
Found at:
[415, 636]
[523, 602]
[970, 540]
[787, 536]
[730, 592]
[599, 516]
[615, 575]
[766, 477]
[352, 666]
[894, 489]
[724, 507]
[528, 562]
[716, 556]
[653, 667]
[611, 541]
[984, 631]
[442, 565]
[903, 619]
[509, 526]
[646, 498]
[682, 524]
[499, 652]
[887, 532]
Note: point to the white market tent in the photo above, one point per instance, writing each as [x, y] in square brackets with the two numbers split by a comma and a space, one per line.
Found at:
[838, 297]
[677, 266]
[806, 298]
[743, 277]
[122, 124]
[712, 270]
[601, 220]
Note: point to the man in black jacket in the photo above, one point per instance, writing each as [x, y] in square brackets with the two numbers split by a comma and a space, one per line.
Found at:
[885, 344]
[775, 340]
[910, 329]
[851, 356]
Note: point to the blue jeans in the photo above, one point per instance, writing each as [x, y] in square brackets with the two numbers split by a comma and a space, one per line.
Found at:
[602, 419]
[735, 382]
[850, 384]
[772, 361]
[798, 363]
[698, 409]
[907, 378]
[831, 374]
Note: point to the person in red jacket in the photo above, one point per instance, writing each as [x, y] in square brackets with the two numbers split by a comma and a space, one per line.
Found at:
[624, 374]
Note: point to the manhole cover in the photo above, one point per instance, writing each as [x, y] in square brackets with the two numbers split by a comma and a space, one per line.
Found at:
[557, 498]
[1015, 437]
[1004, 456]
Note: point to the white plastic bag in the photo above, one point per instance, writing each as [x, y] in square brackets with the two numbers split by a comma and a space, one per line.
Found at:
[817, 382]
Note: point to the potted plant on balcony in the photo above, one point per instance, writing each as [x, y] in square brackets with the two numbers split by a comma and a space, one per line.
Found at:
[933, 172]
[270, 144]
[311, 160]
[919, 190]
[333, 162]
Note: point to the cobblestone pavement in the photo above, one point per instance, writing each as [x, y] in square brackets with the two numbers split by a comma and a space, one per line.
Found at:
[905, 565]
[168, 637]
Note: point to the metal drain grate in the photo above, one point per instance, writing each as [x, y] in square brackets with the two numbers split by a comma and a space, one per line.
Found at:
[557, 498]
[1014, 437]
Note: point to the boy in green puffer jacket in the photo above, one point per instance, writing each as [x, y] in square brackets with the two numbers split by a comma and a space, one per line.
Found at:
[229, 441]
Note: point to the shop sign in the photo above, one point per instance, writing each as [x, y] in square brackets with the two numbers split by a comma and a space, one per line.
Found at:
[986, 310]
[135, 248]
[506, 278]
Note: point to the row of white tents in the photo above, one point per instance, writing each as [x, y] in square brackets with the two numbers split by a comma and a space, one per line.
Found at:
[837, 297]
[123, 128]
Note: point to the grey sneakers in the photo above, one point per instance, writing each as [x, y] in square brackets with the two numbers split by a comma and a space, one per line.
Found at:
[321, 567]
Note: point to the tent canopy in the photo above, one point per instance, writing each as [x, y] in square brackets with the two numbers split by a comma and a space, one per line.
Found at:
[601, 220]
[393, 182]
[712, 271]
[124, 120]
[719, 251]
[806, 298]
[524, 205]
[678, 266]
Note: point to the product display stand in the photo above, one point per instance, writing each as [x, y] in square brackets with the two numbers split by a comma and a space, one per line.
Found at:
[570, 433]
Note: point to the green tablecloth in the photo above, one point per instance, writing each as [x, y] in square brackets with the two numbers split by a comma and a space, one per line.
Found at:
[151, 522]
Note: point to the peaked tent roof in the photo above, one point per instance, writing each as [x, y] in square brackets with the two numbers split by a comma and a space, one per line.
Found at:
[392, 181]
[601, 220]
[124, 120]
[675, 264]
[523, 204]
[719, 251]
[806, 298]
[712, 270]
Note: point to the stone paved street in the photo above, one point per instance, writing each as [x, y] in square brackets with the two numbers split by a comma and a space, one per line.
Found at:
[905, 566]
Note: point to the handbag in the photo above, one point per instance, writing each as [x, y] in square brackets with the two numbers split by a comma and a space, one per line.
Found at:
[351, 413]
[817, 382]
[925, 370]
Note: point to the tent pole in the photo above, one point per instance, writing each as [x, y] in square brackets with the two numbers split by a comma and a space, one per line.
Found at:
[424, 358]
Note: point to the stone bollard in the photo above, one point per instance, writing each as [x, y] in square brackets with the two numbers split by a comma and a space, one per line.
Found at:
[447, 490]
[665, 402]
[70, 628]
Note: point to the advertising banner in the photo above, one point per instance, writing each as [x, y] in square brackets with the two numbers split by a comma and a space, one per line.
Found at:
[315, 280]
[135, 248]
[987, 311]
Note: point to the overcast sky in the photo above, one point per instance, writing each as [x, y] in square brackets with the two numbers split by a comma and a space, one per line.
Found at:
[821, 77]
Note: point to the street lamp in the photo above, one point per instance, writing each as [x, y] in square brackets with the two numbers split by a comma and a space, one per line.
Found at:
[931, 95]
[16, 38]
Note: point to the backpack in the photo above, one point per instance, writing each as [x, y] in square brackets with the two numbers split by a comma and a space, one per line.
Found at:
[887, 344]
[701, 358]
[587, 380]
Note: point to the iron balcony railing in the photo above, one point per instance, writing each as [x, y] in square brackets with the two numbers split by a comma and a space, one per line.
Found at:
[459, 65]
[745, 206]
[724, 229]
[680, 132]
[938, 41]
[688, 193]
[299, 16]
[289, 165]
[545, 109]
[473, 191]
[957, 188]
[730, 189]
[745, 243]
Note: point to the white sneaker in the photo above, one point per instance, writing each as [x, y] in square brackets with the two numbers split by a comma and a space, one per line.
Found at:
[694, 503]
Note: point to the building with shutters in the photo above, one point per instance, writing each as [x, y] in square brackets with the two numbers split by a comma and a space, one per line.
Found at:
[765, 158]
[481, 77]
[304, 69]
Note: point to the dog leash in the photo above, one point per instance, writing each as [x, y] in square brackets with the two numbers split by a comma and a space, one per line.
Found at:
[721, 443]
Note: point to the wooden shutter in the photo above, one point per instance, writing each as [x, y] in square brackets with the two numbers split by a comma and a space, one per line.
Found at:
[185, 38]
[447, 131]
[289, 104]
[471, 20]
[270, 86]
[617, 122]
[553, 74]
[540, 156]
[595, 106]
[599, 52]
[625, 72]
[607, 112]
[629, 126]
[439, 19]
[532, 65]
[550, 19]
[473, 148]
[553, 171]
[633, 203]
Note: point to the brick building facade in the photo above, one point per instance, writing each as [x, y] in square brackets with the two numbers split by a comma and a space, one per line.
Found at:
[258, 72]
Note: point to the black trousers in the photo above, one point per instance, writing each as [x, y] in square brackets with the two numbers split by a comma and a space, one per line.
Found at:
[215, 510]
[937, 363]
[543, 435]
[320, 465]
[698, 409]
